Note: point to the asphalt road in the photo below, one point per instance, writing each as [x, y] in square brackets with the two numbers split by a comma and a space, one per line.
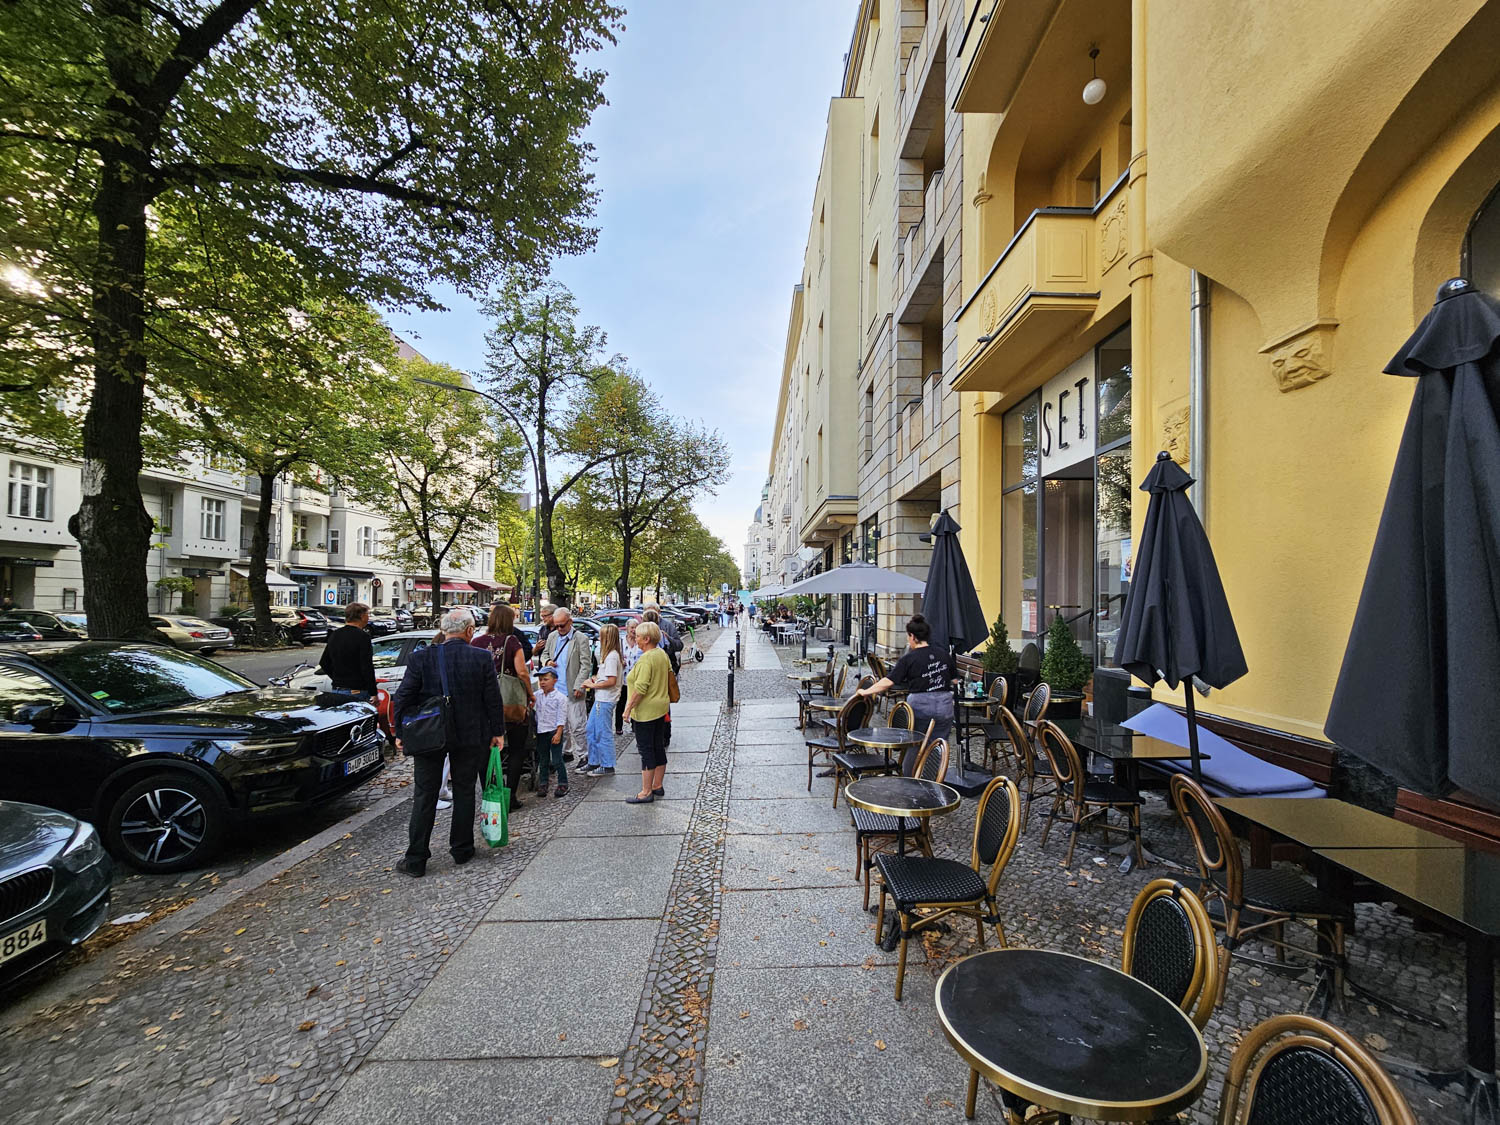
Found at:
[260, 666]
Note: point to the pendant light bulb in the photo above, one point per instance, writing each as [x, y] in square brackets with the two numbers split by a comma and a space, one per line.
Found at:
[1094, 91]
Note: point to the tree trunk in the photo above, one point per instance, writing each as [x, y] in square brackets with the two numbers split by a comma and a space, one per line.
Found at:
[111, 525]
[435, 576]
[557, 584]
[622, 583]
[260, 548]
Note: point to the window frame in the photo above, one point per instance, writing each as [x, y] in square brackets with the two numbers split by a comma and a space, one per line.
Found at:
[35, 483]
[213, 510]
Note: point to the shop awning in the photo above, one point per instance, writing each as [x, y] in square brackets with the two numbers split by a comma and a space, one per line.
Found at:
[485, 587]
[273, 580]
[448, 587]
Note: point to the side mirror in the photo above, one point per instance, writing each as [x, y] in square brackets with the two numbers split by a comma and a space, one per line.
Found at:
[36, 713]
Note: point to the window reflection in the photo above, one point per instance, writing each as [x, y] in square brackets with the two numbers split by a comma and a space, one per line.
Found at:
[132, 679]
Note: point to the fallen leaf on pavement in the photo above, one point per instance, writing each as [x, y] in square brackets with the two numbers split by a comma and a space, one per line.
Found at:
[175, 1016]
[880, 1044]
[562, 1037]
[268, 1079]
[307, 1025]
[100, 999]
[341, 962]
[150, 1031]
[744, 1015]
[313, 989]
[1377, 1042]
[799, 1025]
[239, 931]
[613, 1060]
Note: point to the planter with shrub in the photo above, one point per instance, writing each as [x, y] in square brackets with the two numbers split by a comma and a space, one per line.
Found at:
[1000, 662]
[1065, 669]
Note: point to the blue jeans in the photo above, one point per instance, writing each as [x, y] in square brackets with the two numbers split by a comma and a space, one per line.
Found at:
[601, 734]
[549, 757]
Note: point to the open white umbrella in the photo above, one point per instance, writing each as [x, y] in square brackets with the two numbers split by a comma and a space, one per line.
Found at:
[857, 578]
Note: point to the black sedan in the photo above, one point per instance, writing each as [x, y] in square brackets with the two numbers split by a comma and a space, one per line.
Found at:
[163, 750]
[51, 626]
[54, 886]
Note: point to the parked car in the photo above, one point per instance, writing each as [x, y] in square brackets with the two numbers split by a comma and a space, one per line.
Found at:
[391, 656]
[52, 626]
[620, 617]
[193, 634]
[384, 621]
[162, 750]
[293, 624]
[54, 886]
[13, 631]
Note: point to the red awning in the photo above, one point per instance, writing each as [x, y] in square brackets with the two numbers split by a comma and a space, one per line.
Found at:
[448, 587]
[483, 587]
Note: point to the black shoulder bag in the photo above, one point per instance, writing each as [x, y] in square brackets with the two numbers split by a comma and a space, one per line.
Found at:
[427, 730]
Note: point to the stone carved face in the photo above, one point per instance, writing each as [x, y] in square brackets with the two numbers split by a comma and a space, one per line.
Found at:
[1174, 435]
[1299, 367]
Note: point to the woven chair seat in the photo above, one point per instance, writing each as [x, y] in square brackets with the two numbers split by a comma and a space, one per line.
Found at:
[1275, 890]
[868, 823]
[858, 761]
[1108, 793]
[916, 879]
[828, 744]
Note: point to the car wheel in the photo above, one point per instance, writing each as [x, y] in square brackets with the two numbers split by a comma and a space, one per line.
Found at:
[169, 821]
[207, 651]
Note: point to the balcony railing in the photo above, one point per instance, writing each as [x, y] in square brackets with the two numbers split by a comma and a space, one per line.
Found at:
[273, 548]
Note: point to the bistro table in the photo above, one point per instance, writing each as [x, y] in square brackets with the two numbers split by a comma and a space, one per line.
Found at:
[1325, 823]
[885, 739]
[1069, 1034]
[900, 797]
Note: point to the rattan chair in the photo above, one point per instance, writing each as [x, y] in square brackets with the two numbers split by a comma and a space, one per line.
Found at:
[902, 716]
[996, 735]
[1258, 901]
[876, 833]
[822, 686]
[1080, 799]
[1170, 945]
[1032, 769]
[1006, 740]
[1036, 704]
[1298, 1070]
[947, 887]
[851, 716]
[854, 761]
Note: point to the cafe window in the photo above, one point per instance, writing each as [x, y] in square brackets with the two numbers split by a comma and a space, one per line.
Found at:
[1481, 253]
[30, 493]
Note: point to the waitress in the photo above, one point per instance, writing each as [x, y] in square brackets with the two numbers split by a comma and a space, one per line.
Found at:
[927, 675]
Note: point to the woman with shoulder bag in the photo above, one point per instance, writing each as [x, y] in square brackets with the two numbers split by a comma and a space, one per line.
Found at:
[515, 690]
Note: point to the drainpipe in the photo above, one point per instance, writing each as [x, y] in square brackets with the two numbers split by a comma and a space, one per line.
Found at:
[1198, 302]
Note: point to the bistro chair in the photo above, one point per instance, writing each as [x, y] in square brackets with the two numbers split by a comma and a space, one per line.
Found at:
[827, 720]
[1257, 901]
[1036, 704]
[1081, 799]
[919, 883]
[853, 762]
[1170, 945]
[851, 716]
[902, 716]
[1032, 769]
[815, 689]
[1003, 736]
[1295, 1069]
[875, 832]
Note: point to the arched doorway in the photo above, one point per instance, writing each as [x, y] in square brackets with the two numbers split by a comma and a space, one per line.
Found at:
[1481, 253]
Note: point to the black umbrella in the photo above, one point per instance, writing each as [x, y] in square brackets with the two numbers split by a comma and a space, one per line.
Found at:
[949, 603]
[1177, 626]
[1417, 694]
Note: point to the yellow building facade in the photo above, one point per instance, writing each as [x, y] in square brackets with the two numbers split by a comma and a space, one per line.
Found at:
[1215, 256]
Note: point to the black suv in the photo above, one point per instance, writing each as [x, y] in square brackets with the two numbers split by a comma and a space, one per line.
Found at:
[162, 749]
[293, 624]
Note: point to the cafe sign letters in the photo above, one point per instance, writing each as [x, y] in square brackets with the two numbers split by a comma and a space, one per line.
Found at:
[1065, 427]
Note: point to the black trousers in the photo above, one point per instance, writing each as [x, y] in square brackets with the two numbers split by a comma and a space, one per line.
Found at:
[428, 777]
[517, 741]
[620, 710]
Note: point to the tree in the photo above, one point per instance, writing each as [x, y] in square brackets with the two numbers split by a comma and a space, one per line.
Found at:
[514, 551]
[542, 365]
[384, 147]
[449, 464]
[586, 549]
[669, 461]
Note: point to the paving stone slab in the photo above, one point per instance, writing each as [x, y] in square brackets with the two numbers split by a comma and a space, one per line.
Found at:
[560, 1091]
[616, 818]
[804, 814]
[682, 782]
[788, 736]
[758, 722]
[775, 1032]
[824, 859]
[764, 929]
[776, 783]
[577, 878]
[514, 987]
[792, 757]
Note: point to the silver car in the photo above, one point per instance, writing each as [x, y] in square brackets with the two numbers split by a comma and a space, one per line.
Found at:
[193, 634]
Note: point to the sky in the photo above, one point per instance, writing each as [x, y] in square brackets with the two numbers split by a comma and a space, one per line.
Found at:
[707, 158]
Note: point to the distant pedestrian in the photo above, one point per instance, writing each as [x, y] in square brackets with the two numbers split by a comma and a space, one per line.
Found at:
[551, 724]
[726, 616]
[348, 659]
[649, 685]
[505, 644]
[605, 685]
[545, 620]
[569, 652]
[631, 653]
[478, 722]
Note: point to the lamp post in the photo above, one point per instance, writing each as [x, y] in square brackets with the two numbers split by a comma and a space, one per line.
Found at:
[536, 491]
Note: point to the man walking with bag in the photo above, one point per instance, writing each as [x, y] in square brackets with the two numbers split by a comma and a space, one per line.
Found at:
[568, 650]
[463, 678]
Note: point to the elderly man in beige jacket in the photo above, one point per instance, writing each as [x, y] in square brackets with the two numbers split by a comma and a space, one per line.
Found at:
[573, 654]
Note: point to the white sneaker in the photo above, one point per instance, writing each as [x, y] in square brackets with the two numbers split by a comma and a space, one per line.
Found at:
[445, 802]
[446, 794]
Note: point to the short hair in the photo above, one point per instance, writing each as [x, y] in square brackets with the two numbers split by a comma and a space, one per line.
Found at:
[356, 610]
[651, 615]
[564, 610]
[652, 605]
[456, 622]
[502, 618]
[649, 631]
[547, 609]
[919, 628]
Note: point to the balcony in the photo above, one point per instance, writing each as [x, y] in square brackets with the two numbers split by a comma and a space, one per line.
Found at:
[999, 42]
[273, 548]
[252, 490]
[308, 556]
[1063, 268]
[309, 500]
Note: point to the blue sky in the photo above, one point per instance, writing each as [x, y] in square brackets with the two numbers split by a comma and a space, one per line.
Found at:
[707, 157]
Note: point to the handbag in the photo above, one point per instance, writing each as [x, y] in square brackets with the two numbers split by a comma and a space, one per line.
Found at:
[427, 730]
[512, 691]
[674, 693]
[494, 804]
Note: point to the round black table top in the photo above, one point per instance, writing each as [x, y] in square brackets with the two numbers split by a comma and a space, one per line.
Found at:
[827, 704]
[1071, 1034]
[893, 738]
[901, 796]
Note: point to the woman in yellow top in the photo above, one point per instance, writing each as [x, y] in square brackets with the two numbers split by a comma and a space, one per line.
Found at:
[647, 711]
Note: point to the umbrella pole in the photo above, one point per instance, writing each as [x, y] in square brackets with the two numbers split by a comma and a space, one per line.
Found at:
[1192, 718]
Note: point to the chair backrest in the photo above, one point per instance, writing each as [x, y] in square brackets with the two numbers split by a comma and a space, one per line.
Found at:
[996, 693]
[1030, 658]
[1169, 944]
[903, 716]
[1290, 1063]
[1062, 755]
[1036, 705]
[843, 674]
[877, 665]
[1218, 855]
[932, 758]
[997, 824]
[912, 758]
[852, 715]
[866, 681]
[1024, 747]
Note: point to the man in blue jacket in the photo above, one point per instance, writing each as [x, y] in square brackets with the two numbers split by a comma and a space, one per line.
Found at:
[478, 723]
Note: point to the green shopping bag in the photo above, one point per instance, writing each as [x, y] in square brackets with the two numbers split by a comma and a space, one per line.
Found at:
[494, 807]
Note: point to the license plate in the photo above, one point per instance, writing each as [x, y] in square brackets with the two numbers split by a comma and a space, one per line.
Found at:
[24, 940]
[360, 761]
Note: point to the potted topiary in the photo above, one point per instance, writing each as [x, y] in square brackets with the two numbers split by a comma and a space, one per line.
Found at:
[999, 661]
[1065, 669]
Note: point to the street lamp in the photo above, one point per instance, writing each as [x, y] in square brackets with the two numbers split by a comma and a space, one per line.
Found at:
[536, 493]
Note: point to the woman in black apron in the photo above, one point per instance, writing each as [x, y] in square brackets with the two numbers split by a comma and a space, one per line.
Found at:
[927, 676]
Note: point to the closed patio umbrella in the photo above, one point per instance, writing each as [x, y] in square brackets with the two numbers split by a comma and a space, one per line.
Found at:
[1416, 694]
[1177, 626]
[949, 602]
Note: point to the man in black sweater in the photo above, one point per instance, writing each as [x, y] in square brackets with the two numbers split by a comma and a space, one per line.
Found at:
[348, 659]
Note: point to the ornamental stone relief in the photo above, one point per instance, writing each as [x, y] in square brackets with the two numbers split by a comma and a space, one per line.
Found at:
[1172, 421]
[1302, 359]
[1114, 236]
[989, 311]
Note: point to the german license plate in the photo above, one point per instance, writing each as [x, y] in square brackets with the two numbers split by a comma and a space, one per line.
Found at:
[24, 940]
[360, 761]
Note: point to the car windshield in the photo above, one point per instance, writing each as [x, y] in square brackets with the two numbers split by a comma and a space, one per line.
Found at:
[131, 679]
[76, 620]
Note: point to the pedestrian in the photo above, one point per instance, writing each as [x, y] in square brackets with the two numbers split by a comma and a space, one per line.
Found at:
[669, 638]
[545, 619]
[503, 642]
[574, 664]
[551, 723]
[605, 685]
[632, 653]
[725, 615]
[478, 722]
[348, 659]
[926, 674]
[649, 686]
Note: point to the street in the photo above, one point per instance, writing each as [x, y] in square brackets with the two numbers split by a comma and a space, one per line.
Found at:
[261, 666]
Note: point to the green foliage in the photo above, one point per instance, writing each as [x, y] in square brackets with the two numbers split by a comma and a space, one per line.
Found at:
[1064, 664]
[999, 657]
